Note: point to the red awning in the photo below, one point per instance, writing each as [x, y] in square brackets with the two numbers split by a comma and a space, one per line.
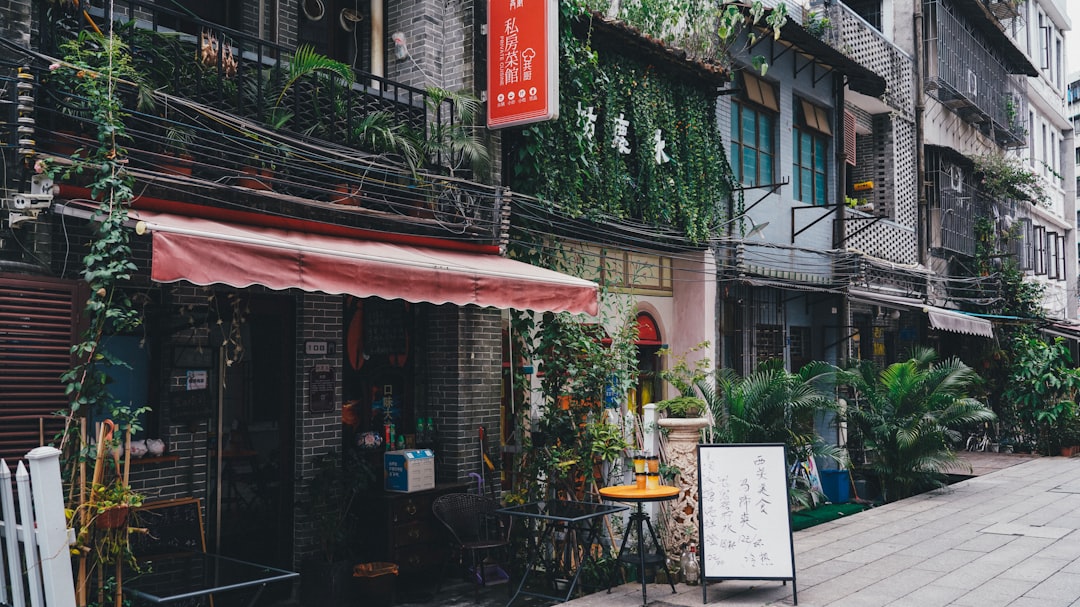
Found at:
[208, 252]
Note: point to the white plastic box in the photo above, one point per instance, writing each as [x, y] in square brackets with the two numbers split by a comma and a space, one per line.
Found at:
[409, 470]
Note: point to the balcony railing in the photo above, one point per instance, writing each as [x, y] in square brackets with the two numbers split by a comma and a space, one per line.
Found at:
[218, 104]
[956, 207]
[243, 75]
[964, 75]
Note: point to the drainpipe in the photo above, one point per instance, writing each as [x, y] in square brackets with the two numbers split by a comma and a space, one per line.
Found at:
[1068, 169]
[922, 227]
[378, 36]
[840, 229]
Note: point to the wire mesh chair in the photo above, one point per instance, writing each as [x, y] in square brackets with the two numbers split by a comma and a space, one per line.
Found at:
[477, 531]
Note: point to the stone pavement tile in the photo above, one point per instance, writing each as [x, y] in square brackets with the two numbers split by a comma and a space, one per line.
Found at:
[1067, 547]
[736, 593]
[1034, 569]
[829, 592]
[822, 572]
[949, 560]
[1030, 602]
[872, 552]
[970, 575]
[1018, 550]
[987, 542]
[1072, 567]
[1017, 528]
[931, 595]
[997, 592]
[1057, 587]
[820, 555]
[926, 549]
[898, 585]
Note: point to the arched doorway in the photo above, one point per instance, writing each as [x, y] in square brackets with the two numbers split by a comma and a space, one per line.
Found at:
[648, 387]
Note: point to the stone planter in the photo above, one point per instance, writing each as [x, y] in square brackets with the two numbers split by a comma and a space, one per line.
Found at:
[682, 440]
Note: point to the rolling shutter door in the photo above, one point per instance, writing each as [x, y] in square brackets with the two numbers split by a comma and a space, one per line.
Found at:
[38, 325]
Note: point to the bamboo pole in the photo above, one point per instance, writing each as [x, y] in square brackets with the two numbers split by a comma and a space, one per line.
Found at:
[80, 482]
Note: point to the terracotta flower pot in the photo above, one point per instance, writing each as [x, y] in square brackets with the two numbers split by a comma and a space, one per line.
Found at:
[255, 178]
[349, 195]
[178, 165]
[112, 518]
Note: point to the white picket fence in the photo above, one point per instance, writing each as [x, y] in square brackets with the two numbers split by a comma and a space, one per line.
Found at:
[35, 562]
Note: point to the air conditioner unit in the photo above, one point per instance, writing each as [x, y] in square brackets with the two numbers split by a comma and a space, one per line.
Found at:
[972, 83]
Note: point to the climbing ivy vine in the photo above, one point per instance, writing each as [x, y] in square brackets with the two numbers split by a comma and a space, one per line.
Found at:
[93, 65]
[589, 176]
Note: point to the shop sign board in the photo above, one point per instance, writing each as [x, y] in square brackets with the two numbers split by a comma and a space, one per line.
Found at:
[522, 62]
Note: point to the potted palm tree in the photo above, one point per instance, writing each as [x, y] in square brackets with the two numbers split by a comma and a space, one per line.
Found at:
[908, 414]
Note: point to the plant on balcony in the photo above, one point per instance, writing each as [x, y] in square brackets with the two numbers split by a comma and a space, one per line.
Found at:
[1006, 178]
[454, 145]
[817, 24]
[706, 31]
[305, 65]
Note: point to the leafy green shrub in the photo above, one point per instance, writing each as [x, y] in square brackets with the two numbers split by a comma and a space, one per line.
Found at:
[908, 414]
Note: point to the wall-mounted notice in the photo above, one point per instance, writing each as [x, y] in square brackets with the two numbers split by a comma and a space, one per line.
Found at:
[745, 519]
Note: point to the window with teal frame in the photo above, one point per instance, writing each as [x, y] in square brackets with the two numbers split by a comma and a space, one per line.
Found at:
[810, 166]
[752, 144]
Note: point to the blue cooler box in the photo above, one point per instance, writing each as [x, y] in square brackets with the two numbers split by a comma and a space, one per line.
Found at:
[409, 470]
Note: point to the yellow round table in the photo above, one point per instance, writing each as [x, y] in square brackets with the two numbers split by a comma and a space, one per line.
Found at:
[631, 494]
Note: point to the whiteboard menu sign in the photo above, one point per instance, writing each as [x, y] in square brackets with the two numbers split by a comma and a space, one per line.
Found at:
[745, 518]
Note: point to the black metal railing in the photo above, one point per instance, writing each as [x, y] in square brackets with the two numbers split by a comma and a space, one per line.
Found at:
[240, 73]
[222, 115]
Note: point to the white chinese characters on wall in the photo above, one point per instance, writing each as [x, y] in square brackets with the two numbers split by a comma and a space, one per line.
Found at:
[620, 129]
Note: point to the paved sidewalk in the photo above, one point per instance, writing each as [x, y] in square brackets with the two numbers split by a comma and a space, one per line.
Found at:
[1008, 538]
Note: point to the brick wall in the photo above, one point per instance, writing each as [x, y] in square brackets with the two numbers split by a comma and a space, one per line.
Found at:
[441, 40]
[318, 318]
[464, 386]
[15, 22]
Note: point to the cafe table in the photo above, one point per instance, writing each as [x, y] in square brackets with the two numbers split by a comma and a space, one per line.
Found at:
[632, 494]
[187, 575]
[580, 520]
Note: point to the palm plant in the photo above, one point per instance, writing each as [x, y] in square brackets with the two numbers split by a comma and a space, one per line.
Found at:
[772, 405]
[306, 62]
[454, 143]
[908, 415]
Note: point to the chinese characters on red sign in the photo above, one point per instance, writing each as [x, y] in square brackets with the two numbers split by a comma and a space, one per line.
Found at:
[523, 68]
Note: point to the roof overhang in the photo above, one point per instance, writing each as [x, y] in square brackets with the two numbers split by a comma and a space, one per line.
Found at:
[859, 78]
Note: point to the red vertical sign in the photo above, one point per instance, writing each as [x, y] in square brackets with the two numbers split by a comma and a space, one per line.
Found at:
[523, 62]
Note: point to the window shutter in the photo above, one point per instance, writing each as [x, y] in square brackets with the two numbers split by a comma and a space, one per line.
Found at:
[38, 325]
[849, 137]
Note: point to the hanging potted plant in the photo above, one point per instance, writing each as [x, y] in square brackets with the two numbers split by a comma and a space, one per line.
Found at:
[178, 160]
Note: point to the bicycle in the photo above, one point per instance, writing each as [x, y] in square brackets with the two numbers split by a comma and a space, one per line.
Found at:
[978, 442]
